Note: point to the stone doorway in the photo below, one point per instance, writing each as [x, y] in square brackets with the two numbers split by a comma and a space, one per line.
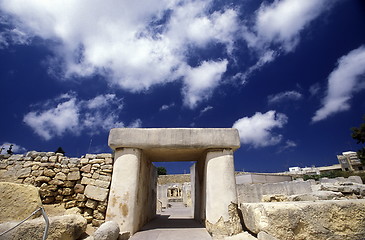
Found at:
[132, 197]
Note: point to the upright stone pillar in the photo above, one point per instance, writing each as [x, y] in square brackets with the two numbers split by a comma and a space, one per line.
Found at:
[221, 195]
[124, 189]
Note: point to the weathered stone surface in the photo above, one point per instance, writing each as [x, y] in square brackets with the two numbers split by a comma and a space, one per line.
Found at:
[70, 204]
[265, 236]
[97, 223]
[102, 184]
[241, 236]
[56, 182]
[42, 179]
[96, 161]
[61, 176]
[87, 181]
[79, 188]
[320, 195]
[91, 204]
[86, 168]
[107, 231]
[334, 219]
[49, 173]
[73, 176]
[24, 172]
[68, 227]
[17, 201]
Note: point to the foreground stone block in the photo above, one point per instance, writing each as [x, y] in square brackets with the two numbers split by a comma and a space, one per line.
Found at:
[17, 201]
[68, 227]
[335, 220]
[107, 231]
[96, 193]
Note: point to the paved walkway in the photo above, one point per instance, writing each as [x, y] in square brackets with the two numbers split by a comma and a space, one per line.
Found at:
[174, 223]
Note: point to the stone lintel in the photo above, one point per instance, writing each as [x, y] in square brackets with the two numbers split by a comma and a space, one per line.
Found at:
[174, 138]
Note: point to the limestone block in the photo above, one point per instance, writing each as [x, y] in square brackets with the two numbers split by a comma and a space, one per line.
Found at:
[96, 161]
[102, 184]
[75, 161]
[53, 159]
[79, 188]
[24, 172]
[50, 154]
[35, 167]
[90, 156]
[73, 176]
[87, 181]
[37, 173]
[31, 154]
[49, 173]
[67, 191]
[65, 169]
[355, 179]
[69, 184]
[108, 160]
[29, 180]
[96, 175]
[241, 236]
[97, 223]
[70, 204]
[80, 204]
[98, 215]
[107, 231]
[319, 195]
[105, 178]
[16, 157]
[60, 176]
[44, 159]
[333, 219]
[74, 169]
[84, 161]
[104, 155]
[68, 227]
[275, 198]
[43, 179]
[88, 175]
[101, 208]
[80, 197]
[47, 165]
[265, 236]
[96, 193]
[56, 182]
[86, 168]
[17, 201]
[91, 204]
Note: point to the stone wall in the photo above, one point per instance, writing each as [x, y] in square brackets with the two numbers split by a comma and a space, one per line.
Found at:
[75, 182]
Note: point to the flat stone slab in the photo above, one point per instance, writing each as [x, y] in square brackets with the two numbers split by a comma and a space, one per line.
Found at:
[320, 220]
[185, 144]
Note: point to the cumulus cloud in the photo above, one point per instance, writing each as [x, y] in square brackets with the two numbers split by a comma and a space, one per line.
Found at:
[200, 81]
[68, 114]
[258, 129]
[277, 27]
[345, 80]
[289, 144]
[133, 47]
[15, 148]
[284, 96]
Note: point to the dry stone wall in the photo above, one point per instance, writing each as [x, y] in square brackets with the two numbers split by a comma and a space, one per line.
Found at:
[75, 182]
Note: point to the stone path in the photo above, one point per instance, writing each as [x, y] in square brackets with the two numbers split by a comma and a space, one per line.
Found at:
[174, 223]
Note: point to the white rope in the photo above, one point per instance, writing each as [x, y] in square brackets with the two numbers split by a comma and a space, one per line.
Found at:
[45, 234]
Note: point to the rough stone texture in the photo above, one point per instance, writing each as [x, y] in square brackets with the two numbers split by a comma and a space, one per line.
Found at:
[17, 201]
[240, 236]
[107, 231]
[335, 219]
[96, 193]
[68, 227]
[250, 193]
[265, 236]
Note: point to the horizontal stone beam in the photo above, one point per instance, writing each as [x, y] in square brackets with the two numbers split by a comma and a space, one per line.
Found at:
[174, 138]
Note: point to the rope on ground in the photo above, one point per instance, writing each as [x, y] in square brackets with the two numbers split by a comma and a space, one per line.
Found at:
[45, 233]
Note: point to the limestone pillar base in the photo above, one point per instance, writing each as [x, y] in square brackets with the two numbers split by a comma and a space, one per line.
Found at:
[221, 196]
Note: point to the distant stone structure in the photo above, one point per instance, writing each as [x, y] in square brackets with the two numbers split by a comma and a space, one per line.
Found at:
[350, 162]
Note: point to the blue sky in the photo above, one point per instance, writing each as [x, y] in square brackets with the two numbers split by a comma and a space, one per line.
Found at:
[288, 74]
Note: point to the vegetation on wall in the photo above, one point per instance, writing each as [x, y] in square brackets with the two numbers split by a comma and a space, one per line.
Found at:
[334, 174]
[161, 171]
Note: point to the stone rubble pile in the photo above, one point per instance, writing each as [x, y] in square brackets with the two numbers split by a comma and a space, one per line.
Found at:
[75, 182]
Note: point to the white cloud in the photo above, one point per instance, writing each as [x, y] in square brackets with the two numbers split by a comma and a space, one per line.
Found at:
[289, 144]
[135, 45]
[277, 27]
[68, 114]
[206, 109]
[166, 107]
[135, 124]
[200, 81]
[282, 21]
[314, 89]
[15, 148]
[258, 129]
[343, 82]
[284, 96]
